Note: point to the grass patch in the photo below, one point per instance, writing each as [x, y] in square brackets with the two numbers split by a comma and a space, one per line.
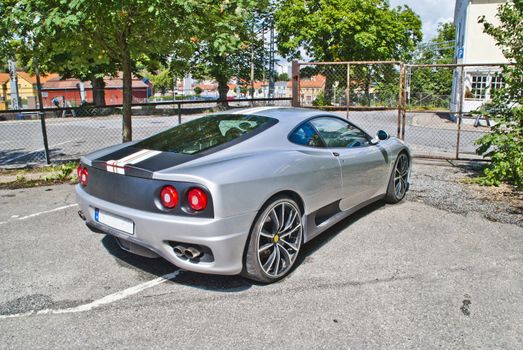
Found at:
[51, 175]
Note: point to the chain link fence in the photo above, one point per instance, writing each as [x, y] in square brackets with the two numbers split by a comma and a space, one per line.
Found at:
[367, 93]
[443, 105]
[436, 109]
[74, 131]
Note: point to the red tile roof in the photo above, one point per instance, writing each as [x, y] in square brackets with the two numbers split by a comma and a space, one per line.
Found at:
[4, 78]
[316, 81]
[207, 86]
[29, 78]
[110, 83]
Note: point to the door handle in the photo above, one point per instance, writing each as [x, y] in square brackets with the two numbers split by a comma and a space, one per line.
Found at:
[335, 154]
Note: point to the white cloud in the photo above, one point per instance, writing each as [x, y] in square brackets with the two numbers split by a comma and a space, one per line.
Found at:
[432, 12]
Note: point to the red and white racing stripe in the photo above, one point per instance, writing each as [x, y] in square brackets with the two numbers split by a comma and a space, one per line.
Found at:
[118, 166]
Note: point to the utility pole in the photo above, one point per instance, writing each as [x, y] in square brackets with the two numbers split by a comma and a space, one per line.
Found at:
[271, 59]
[252, 60]
[13, 84]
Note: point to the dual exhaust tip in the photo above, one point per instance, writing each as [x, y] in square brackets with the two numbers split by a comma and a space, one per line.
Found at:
[189, 252]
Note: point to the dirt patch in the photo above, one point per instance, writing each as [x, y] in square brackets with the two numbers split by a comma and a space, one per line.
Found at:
[450, 186]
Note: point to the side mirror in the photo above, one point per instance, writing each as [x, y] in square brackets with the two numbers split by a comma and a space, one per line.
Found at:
[382, 135]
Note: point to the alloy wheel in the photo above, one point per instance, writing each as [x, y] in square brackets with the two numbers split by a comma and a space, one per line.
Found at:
[279, 238]
[401, 176]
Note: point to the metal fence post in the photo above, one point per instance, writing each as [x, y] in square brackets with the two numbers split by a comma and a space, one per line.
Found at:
[179, 114]
[348, 89]
[460, 111]
[406, 71]
[400, 98]
[41, 111]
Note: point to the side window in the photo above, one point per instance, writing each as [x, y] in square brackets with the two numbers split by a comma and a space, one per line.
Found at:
[339, 134]
[306, 135]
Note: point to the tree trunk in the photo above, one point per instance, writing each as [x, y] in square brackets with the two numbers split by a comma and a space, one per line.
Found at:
[98, 91]
[127, 132]
[223, 88]
[328, 93]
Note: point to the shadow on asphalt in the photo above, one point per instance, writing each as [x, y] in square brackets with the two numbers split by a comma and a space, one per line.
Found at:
[218, 283]
[318, 242]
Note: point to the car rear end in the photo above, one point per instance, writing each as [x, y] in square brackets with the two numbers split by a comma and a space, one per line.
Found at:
[144, 195]
[171, 219]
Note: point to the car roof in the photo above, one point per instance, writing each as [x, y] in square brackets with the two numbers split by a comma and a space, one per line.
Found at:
[285, 115]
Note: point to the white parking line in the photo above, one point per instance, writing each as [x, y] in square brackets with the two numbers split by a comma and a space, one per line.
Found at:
[103, 301]
[40, 213]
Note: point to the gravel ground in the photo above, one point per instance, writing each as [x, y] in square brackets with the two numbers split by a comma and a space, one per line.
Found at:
[446, 185]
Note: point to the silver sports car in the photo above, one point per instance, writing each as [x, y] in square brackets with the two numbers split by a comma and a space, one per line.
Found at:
[239, 192]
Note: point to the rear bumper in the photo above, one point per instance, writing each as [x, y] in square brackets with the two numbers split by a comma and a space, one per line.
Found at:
[225, 237]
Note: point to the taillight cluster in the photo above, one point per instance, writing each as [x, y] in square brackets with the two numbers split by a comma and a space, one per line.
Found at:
[169, 197]
[196, 198]
[83, 174]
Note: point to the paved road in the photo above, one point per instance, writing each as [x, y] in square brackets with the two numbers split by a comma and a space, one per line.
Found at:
[21, 141]
[390, 277]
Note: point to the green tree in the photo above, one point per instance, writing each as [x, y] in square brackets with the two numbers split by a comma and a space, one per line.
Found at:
[283, 77]
[346, 30]
[163, 81]
[504, 144]
[108, 35]
[230, 46]
[198, 90]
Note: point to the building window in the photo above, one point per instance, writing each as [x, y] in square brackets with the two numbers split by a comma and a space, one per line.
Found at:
[496, 82]
[479, 87]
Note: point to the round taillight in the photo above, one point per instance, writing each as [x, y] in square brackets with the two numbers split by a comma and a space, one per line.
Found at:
[79, 171]
[197, 199]
[169, 197]
[84, 177]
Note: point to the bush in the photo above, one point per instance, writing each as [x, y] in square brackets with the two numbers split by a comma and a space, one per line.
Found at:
[505, 142]
[504, 145]
[320, 100]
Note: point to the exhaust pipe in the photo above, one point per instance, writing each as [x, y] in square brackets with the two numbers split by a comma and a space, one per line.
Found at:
[179, 251]
[81, 214]
[192, 253]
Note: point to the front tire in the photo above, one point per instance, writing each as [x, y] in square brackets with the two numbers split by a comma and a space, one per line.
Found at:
[399, 179]
[274, 241]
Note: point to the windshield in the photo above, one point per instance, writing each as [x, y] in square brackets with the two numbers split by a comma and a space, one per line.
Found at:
[207, 133]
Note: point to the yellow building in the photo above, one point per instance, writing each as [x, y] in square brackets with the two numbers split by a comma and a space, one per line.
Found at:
[4, 81]
[26, 88]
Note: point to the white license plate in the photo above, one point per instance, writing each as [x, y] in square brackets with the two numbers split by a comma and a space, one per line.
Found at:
[114, 221]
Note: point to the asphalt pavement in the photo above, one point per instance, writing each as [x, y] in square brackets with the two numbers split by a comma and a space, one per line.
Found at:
[390, 277]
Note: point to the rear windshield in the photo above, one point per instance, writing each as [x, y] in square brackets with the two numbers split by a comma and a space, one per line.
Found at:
[207, 133]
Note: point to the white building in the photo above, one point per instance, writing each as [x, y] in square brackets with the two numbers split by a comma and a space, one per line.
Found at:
[473, 46]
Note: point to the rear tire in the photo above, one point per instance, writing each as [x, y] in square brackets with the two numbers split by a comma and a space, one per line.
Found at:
[274, 241]
[399, 179]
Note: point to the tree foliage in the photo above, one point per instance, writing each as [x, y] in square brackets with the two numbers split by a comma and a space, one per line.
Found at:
[85, 37]
[230, 46]
[283, 77]
[504, 145]
[163, 81]
[346, 30]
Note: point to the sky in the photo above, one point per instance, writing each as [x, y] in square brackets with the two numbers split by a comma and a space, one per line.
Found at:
[431, 12]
